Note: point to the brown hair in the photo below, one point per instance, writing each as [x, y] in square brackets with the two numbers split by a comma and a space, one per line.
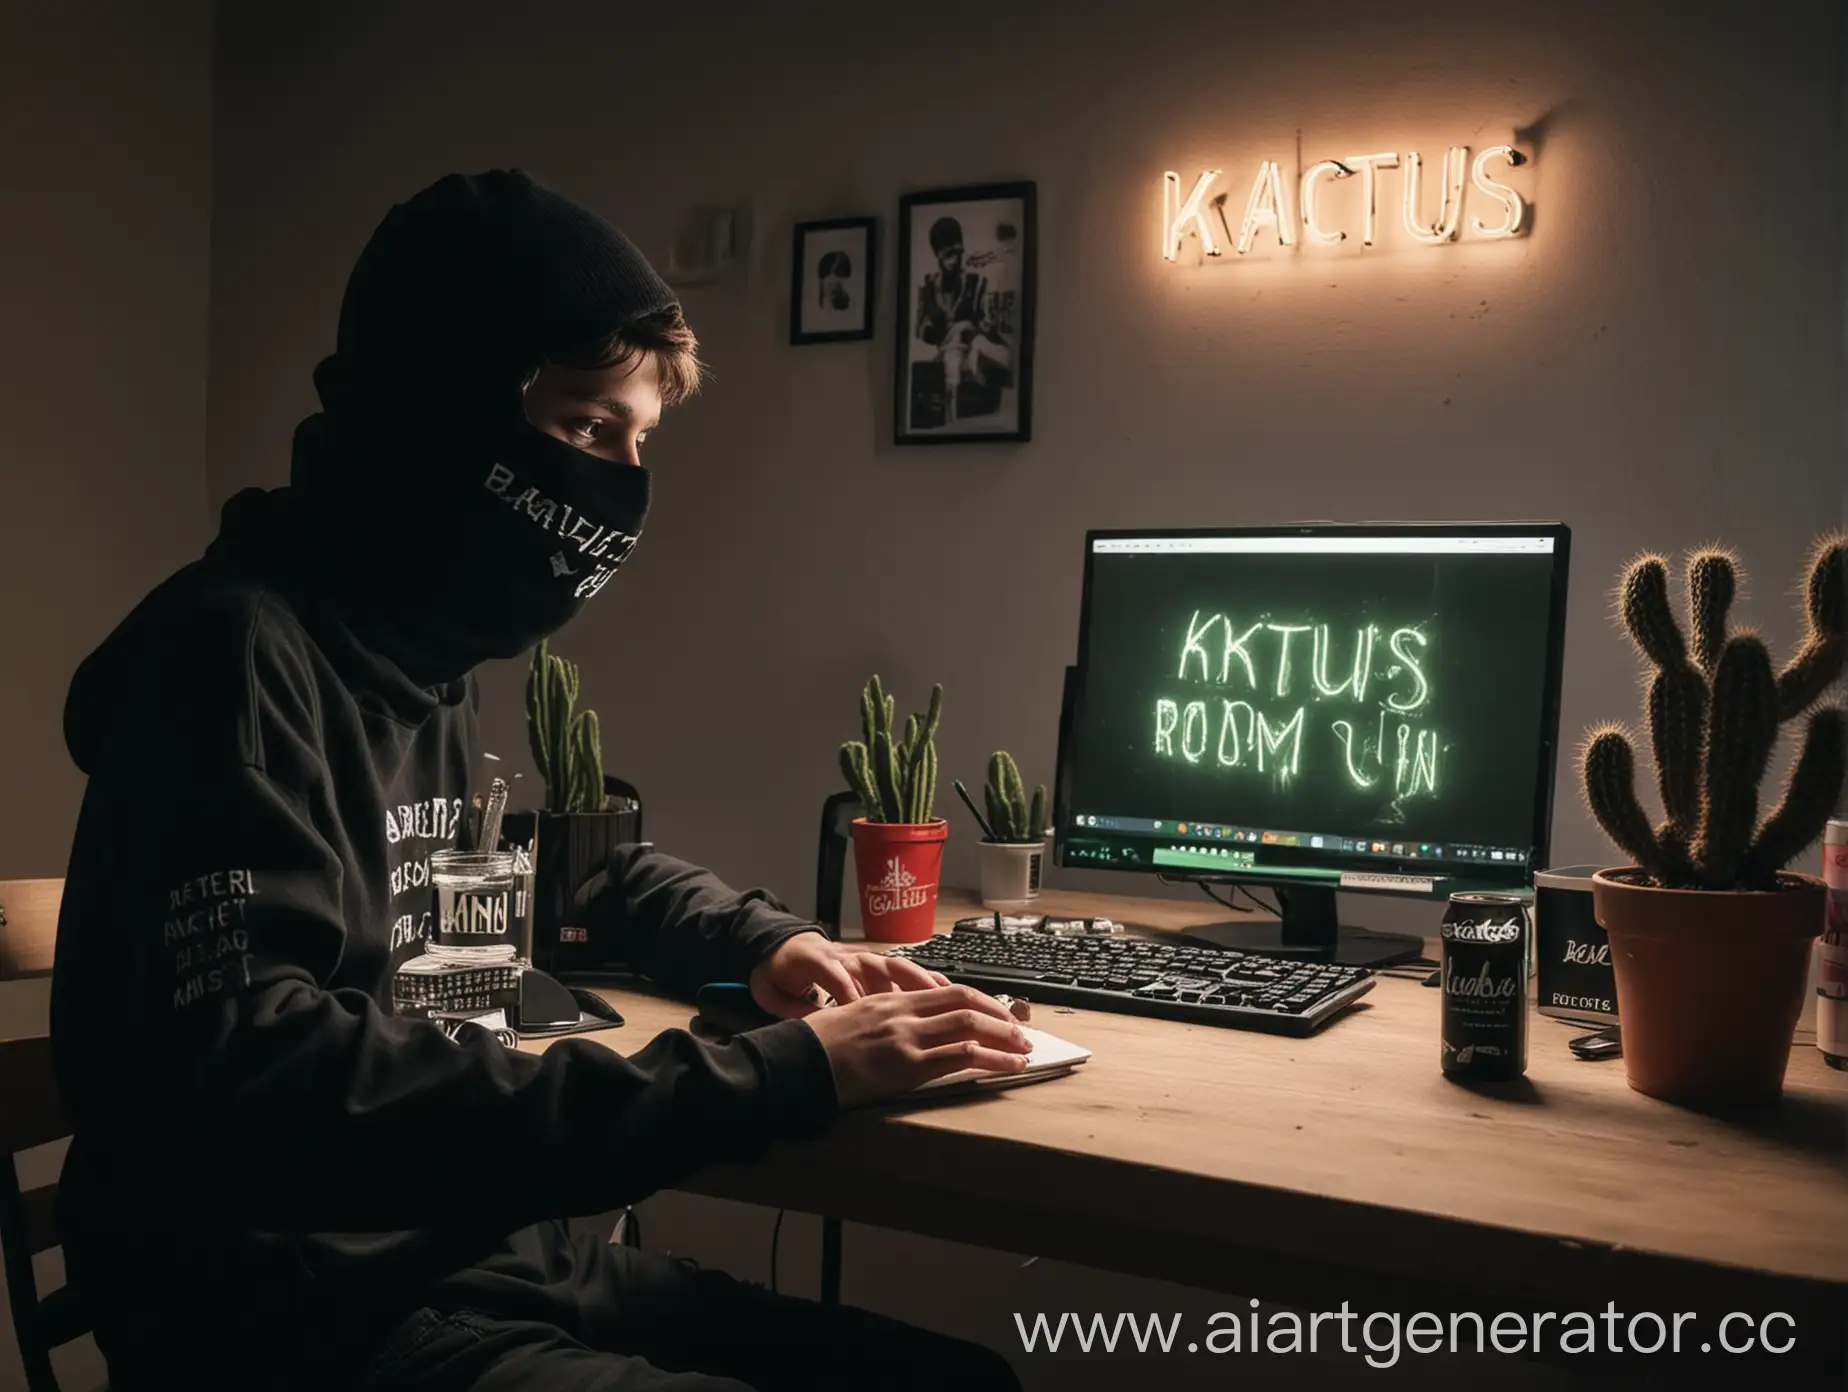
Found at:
[664, 336]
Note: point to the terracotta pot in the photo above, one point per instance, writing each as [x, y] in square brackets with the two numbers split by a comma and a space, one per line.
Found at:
[1709, 984]
[898, 865]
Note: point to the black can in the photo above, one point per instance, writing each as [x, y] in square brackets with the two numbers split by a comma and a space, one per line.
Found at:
[1485, 961]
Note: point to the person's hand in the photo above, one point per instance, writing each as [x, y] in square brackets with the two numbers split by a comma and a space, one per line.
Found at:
[882, 1046]
[807, 969]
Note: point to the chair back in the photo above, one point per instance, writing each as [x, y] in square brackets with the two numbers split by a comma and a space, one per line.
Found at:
[31, 1115]
[838, 814]
[621, 790]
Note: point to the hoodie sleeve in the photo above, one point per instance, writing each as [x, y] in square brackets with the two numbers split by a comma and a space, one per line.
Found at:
[282, 1104]
[680, 924]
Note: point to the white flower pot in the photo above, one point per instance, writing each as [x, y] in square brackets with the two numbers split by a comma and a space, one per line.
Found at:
[1011, 872]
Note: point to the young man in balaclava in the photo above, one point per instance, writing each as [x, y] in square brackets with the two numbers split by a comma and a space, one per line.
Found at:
[274, 1181]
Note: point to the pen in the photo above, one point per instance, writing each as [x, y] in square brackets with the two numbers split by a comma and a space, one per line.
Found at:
[963, 793]
[491, 816]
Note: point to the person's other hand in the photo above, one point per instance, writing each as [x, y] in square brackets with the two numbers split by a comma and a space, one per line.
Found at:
[884, 1045]
[793, 980]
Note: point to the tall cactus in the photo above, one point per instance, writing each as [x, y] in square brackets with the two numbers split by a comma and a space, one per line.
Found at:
[567, 746]
[1713, 723]
[895, 777]
[1010, 815]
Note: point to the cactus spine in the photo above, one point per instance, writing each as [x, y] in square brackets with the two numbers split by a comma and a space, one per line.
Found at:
[1713, 718]
[895, 778]
[1010, 815]
[567, 746]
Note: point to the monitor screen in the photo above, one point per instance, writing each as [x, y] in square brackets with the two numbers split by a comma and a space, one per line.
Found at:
[1312, 704]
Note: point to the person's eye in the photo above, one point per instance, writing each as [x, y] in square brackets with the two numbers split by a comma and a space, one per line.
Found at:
[585, 428]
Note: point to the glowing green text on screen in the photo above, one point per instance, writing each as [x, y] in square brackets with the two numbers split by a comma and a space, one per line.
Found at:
[1289, 699]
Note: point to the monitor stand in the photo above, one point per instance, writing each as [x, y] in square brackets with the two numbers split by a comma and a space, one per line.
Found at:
[1309, 929]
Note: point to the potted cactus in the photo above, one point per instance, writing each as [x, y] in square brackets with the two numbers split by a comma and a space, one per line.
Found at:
[1013, 846]
[576, 828]
[898, 844]
[1710, 932]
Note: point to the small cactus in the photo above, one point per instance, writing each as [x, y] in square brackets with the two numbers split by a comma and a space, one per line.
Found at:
[567, 746]
[1010, 816]
[1714, 715]
[894, 778]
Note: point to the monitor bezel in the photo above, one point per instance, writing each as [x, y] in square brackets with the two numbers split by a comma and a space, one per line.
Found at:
[1545, 789]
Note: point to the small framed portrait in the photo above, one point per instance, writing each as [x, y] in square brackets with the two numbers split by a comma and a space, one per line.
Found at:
[831, 293]
[965, 318]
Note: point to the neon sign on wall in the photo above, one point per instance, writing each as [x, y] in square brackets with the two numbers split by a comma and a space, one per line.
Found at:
[1431, 216]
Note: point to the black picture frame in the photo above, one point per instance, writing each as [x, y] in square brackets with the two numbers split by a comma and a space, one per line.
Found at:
[991, 398]
[812, 319]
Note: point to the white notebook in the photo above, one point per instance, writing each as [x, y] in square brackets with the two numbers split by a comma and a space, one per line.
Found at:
[1052, 1057]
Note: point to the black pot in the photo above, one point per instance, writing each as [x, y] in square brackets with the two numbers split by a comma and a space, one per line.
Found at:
[573, 846]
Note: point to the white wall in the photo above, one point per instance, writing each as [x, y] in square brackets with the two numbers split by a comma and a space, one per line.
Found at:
[105, 136]
[1658, 364]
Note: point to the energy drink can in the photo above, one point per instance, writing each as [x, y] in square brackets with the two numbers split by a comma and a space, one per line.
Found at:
[1832, 950]
[1484, 971]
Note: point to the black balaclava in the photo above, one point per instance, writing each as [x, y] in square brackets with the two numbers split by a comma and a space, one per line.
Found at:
[450, 528]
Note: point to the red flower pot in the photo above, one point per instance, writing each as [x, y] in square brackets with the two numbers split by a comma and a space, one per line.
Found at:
[898, 865]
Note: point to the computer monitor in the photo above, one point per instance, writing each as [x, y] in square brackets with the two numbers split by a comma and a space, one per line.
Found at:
[1316, 708]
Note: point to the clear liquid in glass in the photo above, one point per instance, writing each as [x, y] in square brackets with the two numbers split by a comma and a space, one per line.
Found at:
[475, 921]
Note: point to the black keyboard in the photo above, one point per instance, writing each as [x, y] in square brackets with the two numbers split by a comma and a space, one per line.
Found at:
[1131, 976]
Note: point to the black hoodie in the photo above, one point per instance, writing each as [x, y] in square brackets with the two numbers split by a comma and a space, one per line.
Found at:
[269, 1169]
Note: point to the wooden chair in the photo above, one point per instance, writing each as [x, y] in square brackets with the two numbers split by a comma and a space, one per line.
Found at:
[31, 1115]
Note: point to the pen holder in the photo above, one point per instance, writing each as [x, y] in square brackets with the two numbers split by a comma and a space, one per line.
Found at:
[474, 897]
[572, 846]
[1010, 872]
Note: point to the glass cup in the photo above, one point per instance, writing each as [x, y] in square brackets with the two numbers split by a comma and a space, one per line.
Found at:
[475, 921]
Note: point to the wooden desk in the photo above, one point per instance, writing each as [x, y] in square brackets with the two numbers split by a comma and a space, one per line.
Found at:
[1344, 1166]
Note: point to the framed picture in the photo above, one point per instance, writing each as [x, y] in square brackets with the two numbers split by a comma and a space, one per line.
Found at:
[965, 316]
[832, 286]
